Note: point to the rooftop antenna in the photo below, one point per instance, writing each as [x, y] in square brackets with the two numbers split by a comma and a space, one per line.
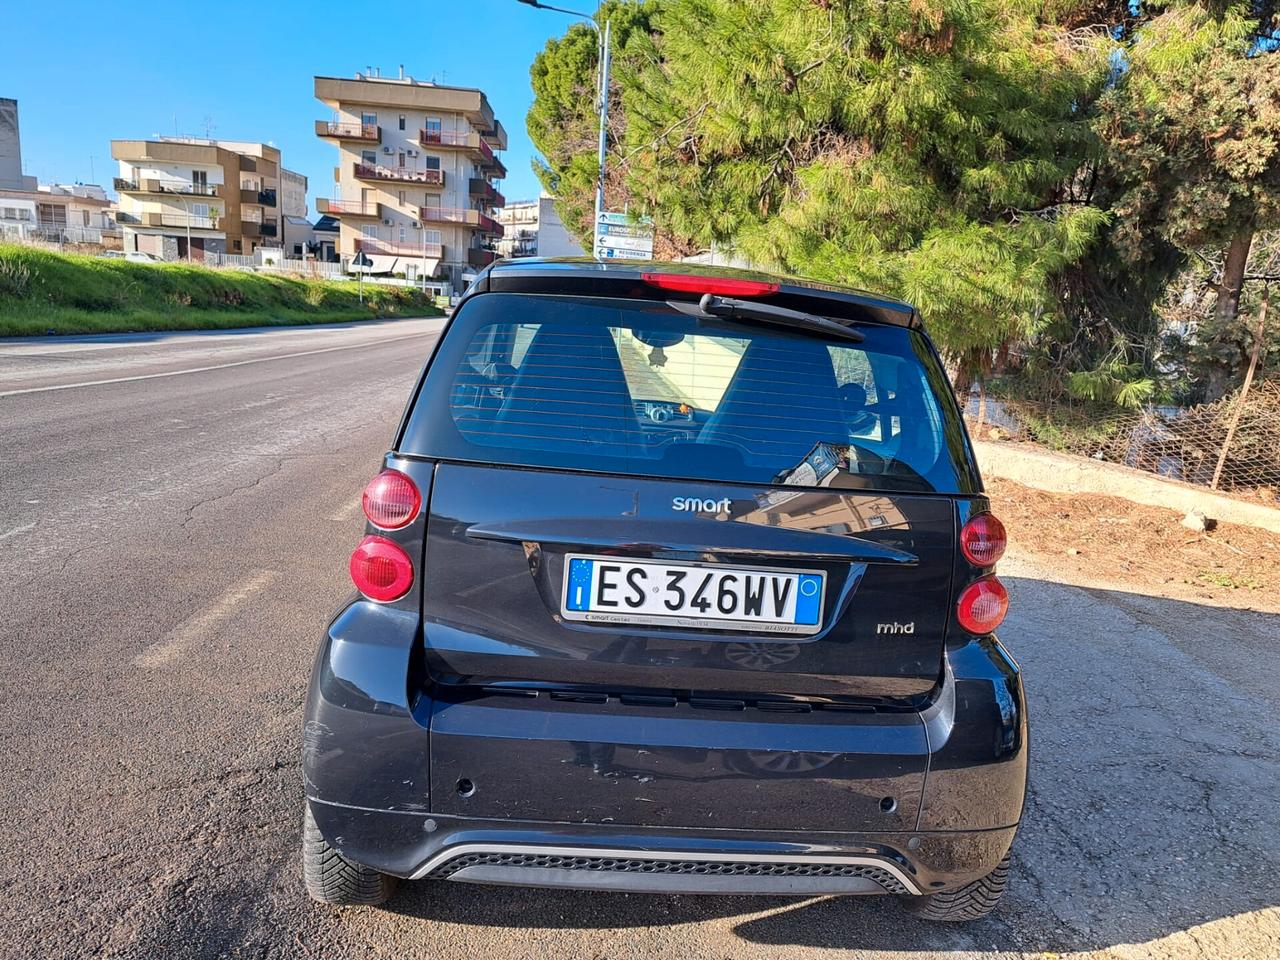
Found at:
[209, 127]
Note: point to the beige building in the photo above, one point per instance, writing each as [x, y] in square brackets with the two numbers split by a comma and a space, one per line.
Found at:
[224, 194]
[532, 228]
[414, 186]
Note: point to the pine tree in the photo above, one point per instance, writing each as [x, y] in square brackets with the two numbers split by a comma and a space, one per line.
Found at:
[923, 148]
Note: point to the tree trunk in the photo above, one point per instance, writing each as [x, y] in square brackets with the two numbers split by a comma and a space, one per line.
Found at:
[1228, 308]
[1233, 276]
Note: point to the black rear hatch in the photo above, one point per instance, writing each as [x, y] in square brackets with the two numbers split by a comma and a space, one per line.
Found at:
[642, 500]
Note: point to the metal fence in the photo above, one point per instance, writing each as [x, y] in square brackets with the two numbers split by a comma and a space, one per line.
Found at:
[1182, 443]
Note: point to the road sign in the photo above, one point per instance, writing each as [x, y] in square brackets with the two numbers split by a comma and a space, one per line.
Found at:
[622, 237]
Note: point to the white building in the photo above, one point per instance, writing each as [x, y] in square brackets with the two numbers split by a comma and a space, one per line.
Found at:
[533, 228]
[414, 186]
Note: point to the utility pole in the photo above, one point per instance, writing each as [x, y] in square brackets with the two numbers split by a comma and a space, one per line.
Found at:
[602, 93]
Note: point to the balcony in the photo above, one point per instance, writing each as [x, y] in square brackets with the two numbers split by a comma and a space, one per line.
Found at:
[390, 248]
[349, 208]
[264, 198]
[367, 171]
[471, 142]
[179, 187]
[482, 189]
[480, 258]
[259, 165]
[179, 221]
[461, 216]
[364, 132]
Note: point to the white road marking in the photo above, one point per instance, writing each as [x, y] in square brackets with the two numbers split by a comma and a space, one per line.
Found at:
[347, 512]
[196, 628]
[215, 366]
[16, 530]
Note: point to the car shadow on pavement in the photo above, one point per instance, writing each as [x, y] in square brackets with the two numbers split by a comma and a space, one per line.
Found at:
[1151, 809]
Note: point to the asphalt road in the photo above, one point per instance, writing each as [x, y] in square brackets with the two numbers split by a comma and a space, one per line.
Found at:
[172, 542]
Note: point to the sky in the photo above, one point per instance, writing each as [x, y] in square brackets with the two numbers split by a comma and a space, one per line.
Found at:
[236, 70]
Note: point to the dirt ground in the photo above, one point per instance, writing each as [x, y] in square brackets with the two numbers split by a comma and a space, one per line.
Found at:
[1094, 540]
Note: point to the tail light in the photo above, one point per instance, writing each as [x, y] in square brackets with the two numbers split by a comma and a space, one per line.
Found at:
[380, 569]
[982, 540]
[391, 500]
[722, 286]
[982, 605]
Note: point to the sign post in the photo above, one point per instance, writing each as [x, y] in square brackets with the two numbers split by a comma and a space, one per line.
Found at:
[361, 263]
[621, 237]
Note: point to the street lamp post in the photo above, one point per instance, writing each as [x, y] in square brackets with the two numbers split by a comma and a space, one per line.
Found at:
[602, 92]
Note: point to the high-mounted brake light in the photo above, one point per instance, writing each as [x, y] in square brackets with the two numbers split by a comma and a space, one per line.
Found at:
[725, 286]
[982, 540]
[391, 500]
[380, 569]
[982, 605]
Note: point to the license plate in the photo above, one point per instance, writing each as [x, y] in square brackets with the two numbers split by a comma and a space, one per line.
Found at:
[762, 600]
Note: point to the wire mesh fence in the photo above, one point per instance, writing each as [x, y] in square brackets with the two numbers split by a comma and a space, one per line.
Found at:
[1183, 443]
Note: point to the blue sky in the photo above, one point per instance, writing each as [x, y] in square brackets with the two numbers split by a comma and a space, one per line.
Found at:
[88, 73]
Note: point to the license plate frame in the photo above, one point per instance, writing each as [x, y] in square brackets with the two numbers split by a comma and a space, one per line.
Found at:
[807, 607]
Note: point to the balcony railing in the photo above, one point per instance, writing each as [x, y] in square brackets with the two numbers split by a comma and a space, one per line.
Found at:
[349, 208]
[166, 186]
[369, 132]
[188, 189]
[447, 138]
[461, 215]
[390, 248]
[480, 258]
[267, 198]
[179, 220]
[267, 228]
[367, 171]
[482, 189]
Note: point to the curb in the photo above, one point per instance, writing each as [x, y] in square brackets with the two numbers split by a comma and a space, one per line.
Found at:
[1061, 473]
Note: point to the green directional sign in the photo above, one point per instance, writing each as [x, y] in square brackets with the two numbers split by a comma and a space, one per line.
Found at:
[620, 236]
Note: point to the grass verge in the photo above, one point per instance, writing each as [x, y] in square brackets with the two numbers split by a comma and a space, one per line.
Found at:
[42, 292]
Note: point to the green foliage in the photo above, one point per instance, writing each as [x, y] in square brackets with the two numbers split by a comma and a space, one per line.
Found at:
[1031, 172]
[1193, 134]
[42, 291]
[915, 147]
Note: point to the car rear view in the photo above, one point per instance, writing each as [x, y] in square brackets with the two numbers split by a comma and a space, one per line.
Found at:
[675, 581]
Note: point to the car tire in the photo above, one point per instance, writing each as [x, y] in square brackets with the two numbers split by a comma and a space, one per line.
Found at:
[333, 879]
[971, 902]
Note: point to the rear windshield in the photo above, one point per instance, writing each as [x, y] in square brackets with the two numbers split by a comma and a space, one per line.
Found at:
[635, 387]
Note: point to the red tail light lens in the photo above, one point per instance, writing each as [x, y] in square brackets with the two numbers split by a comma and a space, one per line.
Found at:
[391, 500]
[982, 540]
[724, 286]
[982, 605]
[381, 570]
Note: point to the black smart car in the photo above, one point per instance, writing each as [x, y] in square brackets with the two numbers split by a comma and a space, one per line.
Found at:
[676, 580]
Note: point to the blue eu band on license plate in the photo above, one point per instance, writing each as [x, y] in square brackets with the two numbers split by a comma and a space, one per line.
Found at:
[704, 596]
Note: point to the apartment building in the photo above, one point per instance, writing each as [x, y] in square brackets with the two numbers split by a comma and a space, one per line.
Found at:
[414, 188]
[223, 194]
[532, 228]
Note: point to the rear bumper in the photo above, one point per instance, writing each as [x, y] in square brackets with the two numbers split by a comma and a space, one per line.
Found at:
[639, 860]
[625, 797]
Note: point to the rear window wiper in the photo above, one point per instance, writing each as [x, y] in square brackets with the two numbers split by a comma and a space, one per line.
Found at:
[734, 309]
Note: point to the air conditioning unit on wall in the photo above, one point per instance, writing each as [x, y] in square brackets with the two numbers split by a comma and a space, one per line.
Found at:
[388, 223]
[386, 150]
[416, 225]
